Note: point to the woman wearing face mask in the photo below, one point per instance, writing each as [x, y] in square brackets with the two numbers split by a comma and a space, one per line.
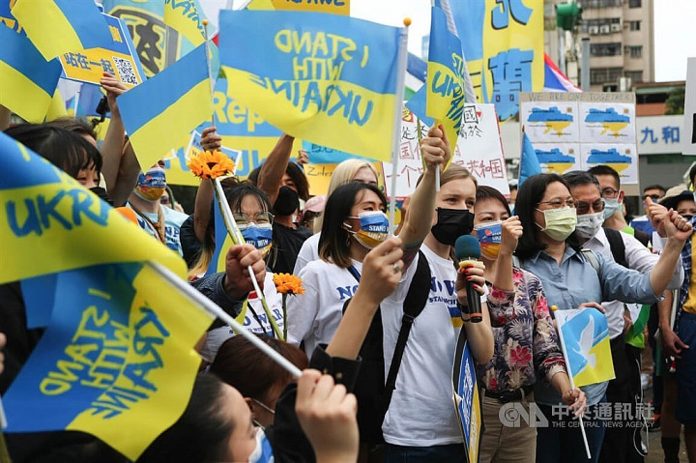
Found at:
[354, 222]
[572, 279]
[161, 222]
[526, 344]
[350, 170]
[250, 208]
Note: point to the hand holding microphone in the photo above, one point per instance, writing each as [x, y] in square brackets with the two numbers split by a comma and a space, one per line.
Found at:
[470, 278]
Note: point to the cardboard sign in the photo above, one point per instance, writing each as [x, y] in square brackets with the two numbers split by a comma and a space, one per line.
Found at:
[689, 136]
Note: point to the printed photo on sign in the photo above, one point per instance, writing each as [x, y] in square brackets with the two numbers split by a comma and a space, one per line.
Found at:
[620, 157]
[558, 158]
[550, 122]
[607, 122]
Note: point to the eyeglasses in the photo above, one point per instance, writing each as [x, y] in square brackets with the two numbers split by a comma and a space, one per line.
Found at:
[583, 207]
[559, 203]
[653, 197]
[264, 218]
[609, 192]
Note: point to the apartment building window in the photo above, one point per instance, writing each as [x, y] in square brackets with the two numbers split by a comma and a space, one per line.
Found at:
[605, 49]
[635, 76]
[602, 75]
[634, 51]
[634, 3]
[634, 25]
[601, 3]
[601, 26]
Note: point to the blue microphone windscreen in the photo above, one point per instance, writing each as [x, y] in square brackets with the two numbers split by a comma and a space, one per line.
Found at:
[467, 246]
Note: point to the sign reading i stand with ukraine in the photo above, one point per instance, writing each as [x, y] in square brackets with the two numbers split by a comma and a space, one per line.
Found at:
[121, 60]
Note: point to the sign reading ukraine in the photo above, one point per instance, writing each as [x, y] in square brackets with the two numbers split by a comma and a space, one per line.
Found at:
[584, 337]
[329, 79]
[116, 360]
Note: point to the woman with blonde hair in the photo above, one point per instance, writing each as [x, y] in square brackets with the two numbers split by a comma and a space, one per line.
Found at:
[350, 170]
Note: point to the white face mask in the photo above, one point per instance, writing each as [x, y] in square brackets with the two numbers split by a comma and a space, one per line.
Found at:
[589, 224]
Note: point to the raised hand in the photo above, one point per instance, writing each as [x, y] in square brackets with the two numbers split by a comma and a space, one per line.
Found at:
[210, 140]
[512, 231]
[435, 149]
[381, 270]
[237, 262]
[470, 270]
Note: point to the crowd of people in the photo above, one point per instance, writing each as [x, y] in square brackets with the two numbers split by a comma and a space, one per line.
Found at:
[376, 327]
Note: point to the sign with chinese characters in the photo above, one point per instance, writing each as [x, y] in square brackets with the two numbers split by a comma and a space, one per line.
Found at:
[478, 149]
[690, 109]
[575, 131]
[659, 134]
[120, 60]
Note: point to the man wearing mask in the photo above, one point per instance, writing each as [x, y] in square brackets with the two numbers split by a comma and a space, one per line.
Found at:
[625, 250]
[161, 222]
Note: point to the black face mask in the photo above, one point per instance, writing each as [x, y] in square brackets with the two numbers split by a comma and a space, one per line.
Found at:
[451, 224]
[287, 202]
[101, 192]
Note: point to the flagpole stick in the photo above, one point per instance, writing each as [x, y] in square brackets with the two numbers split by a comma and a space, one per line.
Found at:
[396, 143]
[237, 238]
[572, 386]
[209, 62]
[4, 453]
[214, 309]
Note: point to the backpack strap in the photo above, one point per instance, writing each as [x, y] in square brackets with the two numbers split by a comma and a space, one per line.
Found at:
[415, 302]
[592, 259]
[617, 246]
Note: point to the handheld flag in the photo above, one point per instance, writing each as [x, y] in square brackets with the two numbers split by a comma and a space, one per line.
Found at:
[445, 83]
[60, 26]
[183, 17]
[584, 335]
[327, 78]
[555, 80]
[27, 81]
[161, 113]
[51, 223]
[529, 162]
[116, 360]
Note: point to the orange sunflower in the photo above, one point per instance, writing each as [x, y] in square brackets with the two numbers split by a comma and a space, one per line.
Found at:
[210, 164]
[287, 283]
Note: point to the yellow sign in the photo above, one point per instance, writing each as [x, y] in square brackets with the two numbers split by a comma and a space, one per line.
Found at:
[341, 7]
[319, 177]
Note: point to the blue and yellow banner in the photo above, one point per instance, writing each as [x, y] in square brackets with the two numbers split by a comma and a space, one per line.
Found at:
[60, 26]
[27, 81]
[584, 335]
[341, 7]
[6, 16]
[160, 114]
[503, 43]
[183, 17]
[50, 223]
[326, 78]
[116, 361]
[444, 96]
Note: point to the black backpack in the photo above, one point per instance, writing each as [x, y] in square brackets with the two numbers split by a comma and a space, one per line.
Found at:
[372, 391]
[617, 246]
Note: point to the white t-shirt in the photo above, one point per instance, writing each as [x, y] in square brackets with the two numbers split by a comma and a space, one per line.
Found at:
[172, 226]
[257, 324]
[308, 252]
[314, 316]
[421, 413]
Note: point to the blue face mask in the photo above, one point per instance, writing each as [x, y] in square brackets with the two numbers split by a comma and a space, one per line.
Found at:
[610, 206]
[263, 452]
[261, 236]
[374, 228]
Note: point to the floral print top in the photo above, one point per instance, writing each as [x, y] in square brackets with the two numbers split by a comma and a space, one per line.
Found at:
[526, 342]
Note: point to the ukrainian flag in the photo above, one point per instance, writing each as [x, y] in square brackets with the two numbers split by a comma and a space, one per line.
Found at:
[27, 81]
[183, 17]
[116, 361]
[444, 93]
[59, 26]
[161, 113]
[584, 335]
[50, 223]
[326, 78]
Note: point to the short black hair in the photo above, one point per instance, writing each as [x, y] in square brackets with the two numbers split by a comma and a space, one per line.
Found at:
[334, 242]
[655, 187]
[488, 192]
[295, 172]
[603, 169]
[528, 197]
[580, 177]
[63, 148]
[236, 194]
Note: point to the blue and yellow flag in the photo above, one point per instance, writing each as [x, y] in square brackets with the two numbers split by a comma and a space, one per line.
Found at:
[326, 78]
[160, 114]
[183, 17]
[584, 337]
[27, 81]
[116, 361]
[444, 95]
[60, 26]
[51, 223]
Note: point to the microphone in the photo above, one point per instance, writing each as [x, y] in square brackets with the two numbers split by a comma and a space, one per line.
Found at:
[467, 248]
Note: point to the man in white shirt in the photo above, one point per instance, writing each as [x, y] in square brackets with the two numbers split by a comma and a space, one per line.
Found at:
[618, 441]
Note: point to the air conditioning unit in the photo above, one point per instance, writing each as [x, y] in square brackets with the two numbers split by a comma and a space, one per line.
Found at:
[604, 29]
[593, 30]
[616, 27]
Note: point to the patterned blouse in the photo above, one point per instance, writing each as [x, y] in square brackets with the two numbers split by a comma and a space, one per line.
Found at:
[526, 342]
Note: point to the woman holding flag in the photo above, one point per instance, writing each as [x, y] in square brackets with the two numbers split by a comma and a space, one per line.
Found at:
[574, 278]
